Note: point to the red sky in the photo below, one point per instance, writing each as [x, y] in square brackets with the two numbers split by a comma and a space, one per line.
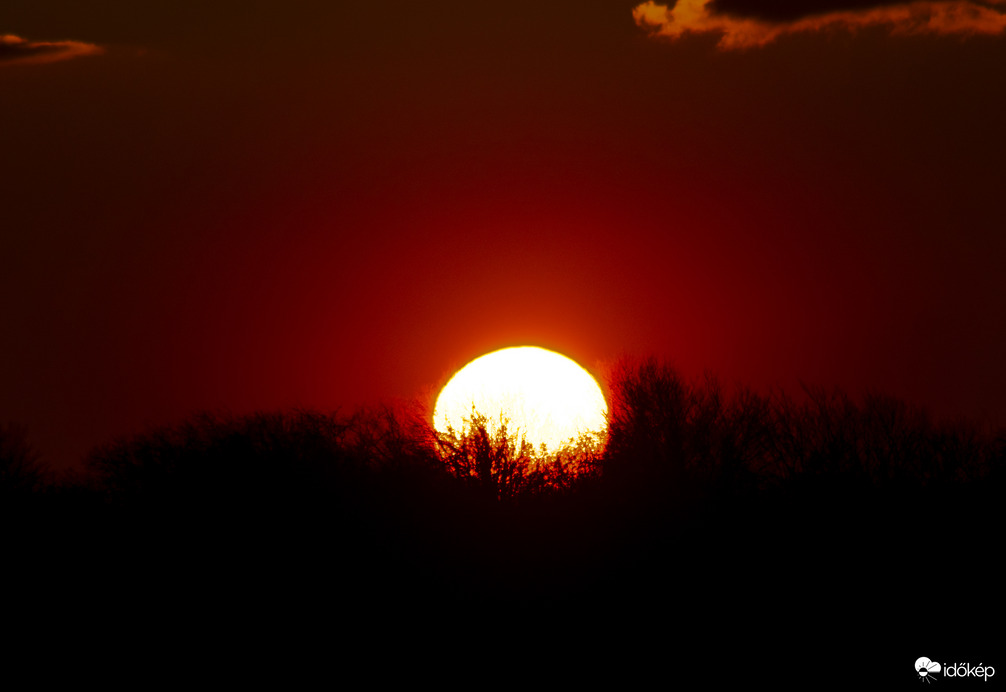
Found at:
[252, 205]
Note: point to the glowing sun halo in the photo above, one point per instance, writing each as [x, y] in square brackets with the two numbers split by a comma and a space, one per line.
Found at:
[545, 396]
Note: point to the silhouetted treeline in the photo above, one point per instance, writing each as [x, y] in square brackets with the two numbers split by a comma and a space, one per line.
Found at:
[22, 475]
[662, 425]
[666, 435]
[702, 501]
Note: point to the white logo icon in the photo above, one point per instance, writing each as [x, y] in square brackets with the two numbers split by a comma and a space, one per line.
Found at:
[925, 668]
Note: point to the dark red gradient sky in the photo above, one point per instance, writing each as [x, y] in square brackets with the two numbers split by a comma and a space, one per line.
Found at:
[251, 205]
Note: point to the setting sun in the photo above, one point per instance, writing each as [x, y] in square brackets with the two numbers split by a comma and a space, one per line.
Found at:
[544, 396]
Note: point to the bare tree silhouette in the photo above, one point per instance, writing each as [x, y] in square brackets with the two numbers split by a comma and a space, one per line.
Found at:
[22, 475]
[503, 465]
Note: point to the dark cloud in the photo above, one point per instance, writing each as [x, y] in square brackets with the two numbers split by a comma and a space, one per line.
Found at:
[791, 10]
[749, 23]
[15, 50]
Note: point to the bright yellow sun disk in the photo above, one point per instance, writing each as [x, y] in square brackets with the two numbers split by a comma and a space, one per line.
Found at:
[546, 397]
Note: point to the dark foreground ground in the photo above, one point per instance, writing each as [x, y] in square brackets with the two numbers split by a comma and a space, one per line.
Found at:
[715, 539]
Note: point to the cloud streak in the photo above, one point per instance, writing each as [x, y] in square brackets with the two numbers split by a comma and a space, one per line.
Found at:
[738, 30]
[15, 50]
